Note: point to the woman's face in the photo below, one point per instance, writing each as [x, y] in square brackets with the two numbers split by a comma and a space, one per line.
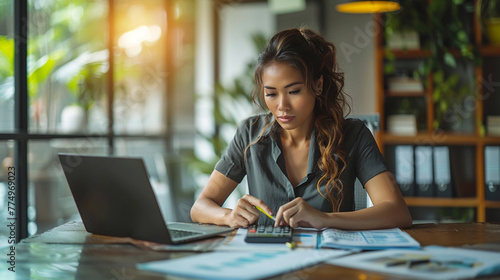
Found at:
[287, 96]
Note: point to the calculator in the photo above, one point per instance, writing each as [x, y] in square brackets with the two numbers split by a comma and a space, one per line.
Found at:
[269, 234]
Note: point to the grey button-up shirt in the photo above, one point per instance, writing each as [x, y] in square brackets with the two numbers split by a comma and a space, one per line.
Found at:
[264, 165]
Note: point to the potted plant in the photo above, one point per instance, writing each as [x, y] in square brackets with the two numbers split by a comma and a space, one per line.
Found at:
[490, 16]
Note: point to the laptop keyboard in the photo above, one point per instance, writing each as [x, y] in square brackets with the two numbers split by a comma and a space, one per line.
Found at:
[177, 233]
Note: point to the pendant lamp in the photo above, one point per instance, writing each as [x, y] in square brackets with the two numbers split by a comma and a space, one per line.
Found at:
[368, 7]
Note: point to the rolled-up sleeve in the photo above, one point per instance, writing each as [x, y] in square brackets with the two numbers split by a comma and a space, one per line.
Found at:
[232, 162]
[370, 161]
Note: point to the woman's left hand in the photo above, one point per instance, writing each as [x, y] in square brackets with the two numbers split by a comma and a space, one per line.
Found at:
[299, 213]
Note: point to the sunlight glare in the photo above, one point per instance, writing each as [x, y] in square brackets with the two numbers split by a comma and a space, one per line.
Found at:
[132, 40]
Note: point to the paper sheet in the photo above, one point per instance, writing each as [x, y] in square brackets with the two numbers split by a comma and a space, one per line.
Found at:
[368, 239]
[241, 265]
[433, 262]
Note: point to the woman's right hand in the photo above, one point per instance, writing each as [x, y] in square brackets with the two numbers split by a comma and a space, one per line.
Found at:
[244, 213]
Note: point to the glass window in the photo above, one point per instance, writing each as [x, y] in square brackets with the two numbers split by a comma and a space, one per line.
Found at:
[140, 72]
[67, 65]
[6, 66]
[7, 184]
[49, 198]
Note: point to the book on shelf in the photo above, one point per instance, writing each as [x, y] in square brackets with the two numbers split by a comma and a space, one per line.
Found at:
[402, 124]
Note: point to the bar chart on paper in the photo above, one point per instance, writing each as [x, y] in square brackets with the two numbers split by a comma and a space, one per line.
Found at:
[367, 239]
[230, 265]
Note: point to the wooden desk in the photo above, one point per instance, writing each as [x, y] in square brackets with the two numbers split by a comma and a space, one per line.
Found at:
[91, 258]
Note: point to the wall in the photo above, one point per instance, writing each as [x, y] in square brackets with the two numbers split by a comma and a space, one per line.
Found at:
[309, 18]
[353, 35]
[237, 23]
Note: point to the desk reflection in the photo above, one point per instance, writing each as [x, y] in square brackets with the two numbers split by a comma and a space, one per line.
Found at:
[69, 252]
[42, 261]
[80, 262]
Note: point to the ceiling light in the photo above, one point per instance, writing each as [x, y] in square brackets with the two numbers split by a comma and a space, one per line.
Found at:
[368, 7]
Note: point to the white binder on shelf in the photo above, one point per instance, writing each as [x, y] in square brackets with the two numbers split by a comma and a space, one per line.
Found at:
[492, 172]
[424, 179]
[442, 172]
[404, 169]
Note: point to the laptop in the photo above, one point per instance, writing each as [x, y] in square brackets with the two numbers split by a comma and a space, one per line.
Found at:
[114, 197]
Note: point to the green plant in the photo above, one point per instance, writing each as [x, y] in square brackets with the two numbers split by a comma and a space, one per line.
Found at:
[38, 71]
[448, 39]
[85, 80]
[449, 89]
[447, 93]
[85, 77]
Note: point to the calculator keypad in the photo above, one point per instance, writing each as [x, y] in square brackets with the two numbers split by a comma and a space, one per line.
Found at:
[268, 234]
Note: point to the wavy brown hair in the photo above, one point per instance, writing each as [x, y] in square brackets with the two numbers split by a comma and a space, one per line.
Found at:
[308, 52]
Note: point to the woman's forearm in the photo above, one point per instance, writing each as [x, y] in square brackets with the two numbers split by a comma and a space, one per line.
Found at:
[383, 215]
[207, 211]
[208, 207]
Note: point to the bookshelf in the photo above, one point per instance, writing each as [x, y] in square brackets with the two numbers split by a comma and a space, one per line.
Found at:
[473, 140]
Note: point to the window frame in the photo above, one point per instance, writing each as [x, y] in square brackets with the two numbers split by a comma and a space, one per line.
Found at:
[21, 135]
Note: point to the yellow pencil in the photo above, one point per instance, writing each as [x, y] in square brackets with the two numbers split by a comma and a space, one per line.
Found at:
[265, 213]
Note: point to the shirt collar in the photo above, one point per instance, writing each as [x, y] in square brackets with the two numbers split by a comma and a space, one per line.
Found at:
[314, 154]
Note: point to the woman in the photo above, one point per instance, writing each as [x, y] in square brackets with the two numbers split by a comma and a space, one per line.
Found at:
[302, 159]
